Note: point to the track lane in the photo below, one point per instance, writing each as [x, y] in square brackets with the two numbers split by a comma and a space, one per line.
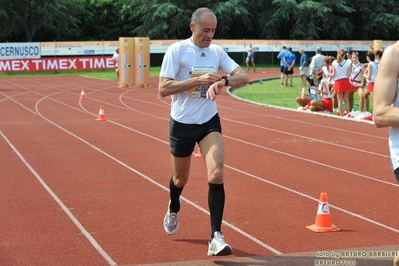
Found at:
[196, 170]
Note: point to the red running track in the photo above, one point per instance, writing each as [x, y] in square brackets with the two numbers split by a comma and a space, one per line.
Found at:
[76, 191]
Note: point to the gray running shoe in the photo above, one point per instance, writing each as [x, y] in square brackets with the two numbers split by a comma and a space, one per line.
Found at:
[171, 221]
[217, 246]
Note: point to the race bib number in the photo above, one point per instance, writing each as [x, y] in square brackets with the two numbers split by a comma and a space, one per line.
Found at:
[200, 90]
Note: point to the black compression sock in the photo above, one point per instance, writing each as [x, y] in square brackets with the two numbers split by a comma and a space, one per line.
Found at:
[216, 198]
[174, 196]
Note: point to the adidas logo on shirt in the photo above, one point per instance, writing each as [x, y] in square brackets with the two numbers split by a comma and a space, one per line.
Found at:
[203, 55]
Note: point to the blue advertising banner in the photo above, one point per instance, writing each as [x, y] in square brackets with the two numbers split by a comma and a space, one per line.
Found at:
[30, 50]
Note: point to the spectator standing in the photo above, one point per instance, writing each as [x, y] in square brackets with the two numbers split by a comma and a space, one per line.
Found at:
[289, 62]
[282, 65]
[316, 63]
[355, 80]
[303, 66]
[327, 74]
[341, 74]
[250, 57]
[370, 75]
[348, 55]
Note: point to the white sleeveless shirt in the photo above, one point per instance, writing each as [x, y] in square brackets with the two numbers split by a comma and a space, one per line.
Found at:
[325, 82]
[341, 69]
[374, 70]
[356, 71]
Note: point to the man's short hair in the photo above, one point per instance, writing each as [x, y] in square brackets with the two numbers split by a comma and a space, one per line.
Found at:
[196, 16]
[318, 50]
[284, 47]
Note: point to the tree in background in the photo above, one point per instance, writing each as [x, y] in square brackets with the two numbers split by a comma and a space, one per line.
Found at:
[159, 19]
[30, 18]
[375, 19]
[104, 20]
[325, 19]
[170, 19]
[308, 20]
[84, 20]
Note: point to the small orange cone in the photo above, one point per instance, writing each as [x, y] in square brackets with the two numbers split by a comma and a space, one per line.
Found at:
[323, 219]
[198, 154]
[82, 94]
[101, 114]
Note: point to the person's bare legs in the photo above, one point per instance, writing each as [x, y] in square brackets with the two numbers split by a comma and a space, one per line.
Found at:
[361, 99]
[351, 100]
[340, 97]
[253, 64]
[181, 170]
[316, 105]
[301, 101]
[212, 149]
[285, 79]
[213, 152]
[346, 100]
[303, 78]
[366, 100]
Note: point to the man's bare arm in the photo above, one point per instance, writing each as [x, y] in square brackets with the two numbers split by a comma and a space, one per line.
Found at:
[385, 89]
[168, 86]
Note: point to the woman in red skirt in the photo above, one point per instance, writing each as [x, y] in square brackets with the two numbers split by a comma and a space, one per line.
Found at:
[341, 73]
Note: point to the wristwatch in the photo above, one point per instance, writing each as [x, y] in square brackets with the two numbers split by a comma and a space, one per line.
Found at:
[226, 80]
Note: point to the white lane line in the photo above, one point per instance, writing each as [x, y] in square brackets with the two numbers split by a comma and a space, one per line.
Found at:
[238, 230]
[262, 114]
[45, 96]
[313, 161]
[245, 173]
[61, 204]
[150, 179]
[20, 104]
[304, 137]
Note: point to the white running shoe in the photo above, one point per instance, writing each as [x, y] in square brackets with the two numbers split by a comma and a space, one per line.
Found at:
[171, 221]
[217, 246]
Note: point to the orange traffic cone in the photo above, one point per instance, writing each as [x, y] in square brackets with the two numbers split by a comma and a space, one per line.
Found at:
[198, 154]
[82, 94]
[101, 114]
[323, 219]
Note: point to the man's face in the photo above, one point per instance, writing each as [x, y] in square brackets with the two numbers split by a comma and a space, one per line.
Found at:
[204, 30]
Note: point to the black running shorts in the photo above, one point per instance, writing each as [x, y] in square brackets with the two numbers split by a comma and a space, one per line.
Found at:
[183, 137]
